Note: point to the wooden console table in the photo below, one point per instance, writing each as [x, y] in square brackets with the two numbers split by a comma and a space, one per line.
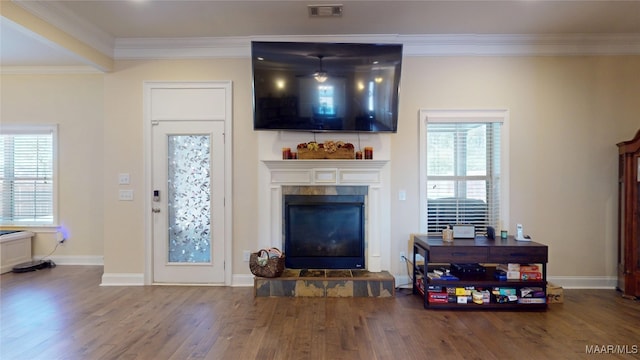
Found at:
[483, 251]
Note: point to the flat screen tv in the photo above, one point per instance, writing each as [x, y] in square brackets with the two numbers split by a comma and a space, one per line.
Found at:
[332, 87]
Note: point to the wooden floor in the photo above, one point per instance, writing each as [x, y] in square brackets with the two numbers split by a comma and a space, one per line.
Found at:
[63, 313]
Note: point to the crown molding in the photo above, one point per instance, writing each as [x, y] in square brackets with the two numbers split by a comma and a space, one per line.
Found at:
[521, 45]
[181, 48]
[65, 20]
[414, 45]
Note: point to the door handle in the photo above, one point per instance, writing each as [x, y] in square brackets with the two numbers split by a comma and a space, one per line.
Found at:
[156, 210]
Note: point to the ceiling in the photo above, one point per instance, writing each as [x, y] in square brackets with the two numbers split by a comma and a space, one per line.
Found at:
[105, 24]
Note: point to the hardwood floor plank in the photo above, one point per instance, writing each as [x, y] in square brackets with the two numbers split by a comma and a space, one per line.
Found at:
[63, 313]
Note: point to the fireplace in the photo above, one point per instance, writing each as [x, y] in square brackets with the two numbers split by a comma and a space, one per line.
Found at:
[324, 231]
[279, 178]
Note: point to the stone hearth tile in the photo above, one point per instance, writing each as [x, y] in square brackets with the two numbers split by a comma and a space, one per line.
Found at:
[338, 274]
[374, 288]
[388, 288]
[312, 273]
[339, 288]
[364, 274]
[290, 273]
[276, 288]
[360, 288]
[363, 284]
[361, 273]
[310, 288]
[262, 287]
[289, 287]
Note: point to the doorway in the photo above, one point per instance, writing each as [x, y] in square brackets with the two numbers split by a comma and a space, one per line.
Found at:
[189, 187]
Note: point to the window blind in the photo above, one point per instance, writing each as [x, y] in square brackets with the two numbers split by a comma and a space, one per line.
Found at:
[463, 175]
[26, 176]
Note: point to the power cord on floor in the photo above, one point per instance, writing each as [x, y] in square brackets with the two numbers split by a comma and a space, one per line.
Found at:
[51, 263]
[409, 267]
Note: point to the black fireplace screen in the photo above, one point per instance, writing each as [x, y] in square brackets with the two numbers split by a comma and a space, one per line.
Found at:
[324, 231]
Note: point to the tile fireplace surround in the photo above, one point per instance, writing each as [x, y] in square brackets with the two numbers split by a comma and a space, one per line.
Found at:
[325, 176]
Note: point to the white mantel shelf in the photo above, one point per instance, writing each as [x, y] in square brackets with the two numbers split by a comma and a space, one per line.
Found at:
[325, 172]
[324, 164]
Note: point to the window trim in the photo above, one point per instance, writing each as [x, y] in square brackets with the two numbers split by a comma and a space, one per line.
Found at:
[15, 129]
[468, 116]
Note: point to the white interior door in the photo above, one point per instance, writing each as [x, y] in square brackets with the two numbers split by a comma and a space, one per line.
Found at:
[188, 202]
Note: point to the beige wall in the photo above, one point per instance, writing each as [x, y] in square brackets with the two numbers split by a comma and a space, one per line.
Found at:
[75, 103]
[124, 244]
[566, 115]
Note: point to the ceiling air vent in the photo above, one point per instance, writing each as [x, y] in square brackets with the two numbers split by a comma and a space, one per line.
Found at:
[325, 10]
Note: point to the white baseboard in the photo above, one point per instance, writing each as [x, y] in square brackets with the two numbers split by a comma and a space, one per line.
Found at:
[135, 279]
[403, 281]
[74, 260]
[122, 279]
[242, 280]
[584, 282]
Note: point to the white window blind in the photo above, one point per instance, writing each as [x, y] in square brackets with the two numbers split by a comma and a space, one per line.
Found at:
[27, 175]
[463, 174]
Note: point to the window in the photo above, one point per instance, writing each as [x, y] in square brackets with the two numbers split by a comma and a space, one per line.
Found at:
[325, 98]
[27, 175]
[462, 160]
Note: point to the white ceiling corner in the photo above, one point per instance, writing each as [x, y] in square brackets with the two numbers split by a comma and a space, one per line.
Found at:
[171, 29]
[56, 14]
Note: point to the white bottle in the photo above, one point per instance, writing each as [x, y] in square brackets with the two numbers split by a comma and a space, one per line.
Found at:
[447, 234]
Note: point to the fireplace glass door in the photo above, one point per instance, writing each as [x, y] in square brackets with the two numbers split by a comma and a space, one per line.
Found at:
[324, 231]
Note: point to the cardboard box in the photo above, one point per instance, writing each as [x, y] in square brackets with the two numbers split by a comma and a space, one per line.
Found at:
[529, 268]
[530, 275]
[504, 291]
[531, 300]
[509, 267]
[532, 292]
[555, 294]
[463, 292]
[440, 298]
[513, 275]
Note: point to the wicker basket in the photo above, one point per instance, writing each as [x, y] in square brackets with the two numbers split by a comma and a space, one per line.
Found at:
[341, 153]
[321, 153]
[270, 267]
[306, 154]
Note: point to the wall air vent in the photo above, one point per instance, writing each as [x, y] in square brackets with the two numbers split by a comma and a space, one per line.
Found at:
[325, 10]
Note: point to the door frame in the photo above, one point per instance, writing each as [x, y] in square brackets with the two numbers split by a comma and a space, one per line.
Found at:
[228, 168]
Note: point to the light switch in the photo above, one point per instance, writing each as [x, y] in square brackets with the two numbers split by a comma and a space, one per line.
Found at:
[123, 179]
[125, 195]
[402, 195]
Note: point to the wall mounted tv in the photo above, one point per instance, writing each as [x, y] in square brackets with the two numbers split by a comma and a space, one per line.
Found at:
[332, 87]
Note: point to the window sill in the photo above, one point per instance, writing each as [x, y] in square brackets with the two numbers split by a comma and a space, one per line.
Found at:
[32, 228]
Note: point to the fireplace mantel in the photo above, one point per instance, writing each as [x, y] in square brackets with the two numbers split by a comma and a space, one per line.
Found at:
[372, 173]
[325, 172]
[313, 164]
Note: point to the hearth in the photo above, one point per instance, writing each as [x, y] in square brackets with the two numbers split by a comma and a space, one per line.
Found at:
[326, 283]
[324, 231]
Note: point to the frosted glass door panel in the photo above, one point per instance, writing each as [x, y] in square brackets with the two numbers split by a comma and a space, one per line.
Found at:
[189, 205]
